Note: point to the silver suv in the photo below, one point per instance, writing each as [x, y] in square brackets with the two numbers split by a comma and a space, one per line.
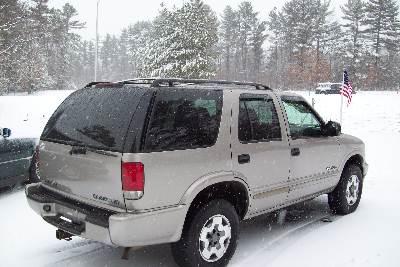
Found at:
[151, 161]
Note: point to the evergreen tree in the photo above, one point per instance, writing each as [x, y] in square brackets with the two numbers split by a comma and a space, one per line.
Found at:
[123, 68]
[383, 26]
[137, 47]
[354, 16]
[382, 30]
[275, 67]
[182, 42]
[257, 40]
[246, 22]
[228, 40]
[12, 39]
[109, 59]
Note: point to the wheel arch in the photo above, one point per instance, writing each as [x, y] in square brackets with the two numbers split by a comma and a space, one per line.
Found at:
[354, 158]
[226, 186]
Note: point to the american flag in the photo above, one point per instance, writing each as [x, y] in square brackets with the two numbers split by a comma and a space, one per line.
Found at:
[346, 89]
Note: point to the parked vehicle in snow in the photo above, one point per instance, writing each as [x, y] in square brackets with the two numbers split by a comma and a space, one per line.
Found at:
[16, 165]
[151, 161]
[328, 88]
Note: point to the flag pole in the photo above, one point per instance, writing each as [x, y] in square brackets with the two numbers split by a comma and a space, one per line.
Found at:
[341, 103]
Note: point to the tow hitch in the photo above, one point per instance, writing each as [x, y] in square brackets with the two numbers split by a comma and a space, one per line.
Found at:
[62, 235]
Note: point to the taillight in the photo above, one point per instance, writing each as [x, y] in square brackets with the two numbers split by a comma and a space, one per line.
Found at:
[132, 179]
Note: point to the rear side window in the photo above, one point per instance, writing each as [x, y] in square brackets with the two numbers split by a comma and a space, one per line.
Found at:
[184, 119]
[94, 117]
[258, 120]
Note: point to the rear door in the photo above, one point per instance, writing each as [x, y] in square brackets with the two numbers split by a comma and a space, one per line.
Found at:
[82, 144]
[187, 139]
[260, 148]
[314, 157]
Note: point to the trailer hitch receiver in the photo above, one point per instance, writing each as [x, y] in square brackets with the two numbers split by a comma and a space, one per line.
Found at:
[62, 235]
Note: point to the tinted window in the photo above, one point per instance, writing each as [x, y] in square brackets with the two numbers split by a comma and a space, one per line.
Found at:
[258, 120]
[94, 117]
[184, 119]
[302, 121]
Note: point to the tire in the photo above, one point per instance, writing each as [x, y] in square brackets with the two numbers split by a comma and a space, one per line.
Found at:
[347, 194]
[205, 226]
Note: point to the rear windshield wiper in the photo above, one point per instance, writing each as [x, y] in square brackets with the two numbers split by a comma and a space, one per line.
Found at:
[79, 150]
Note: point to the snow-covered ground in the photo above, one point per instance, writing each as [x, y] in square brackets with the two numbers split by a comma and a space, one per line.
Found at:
[368, 237]
[26, 115]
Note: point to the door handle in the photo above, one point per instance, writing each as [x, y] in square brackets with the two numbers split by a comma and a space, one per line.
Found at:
[295, 151]
[244, 158]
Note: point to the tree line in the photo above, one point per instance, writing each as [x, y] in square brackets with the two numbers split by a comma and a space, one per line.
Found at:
[38, 46]
[299, 45]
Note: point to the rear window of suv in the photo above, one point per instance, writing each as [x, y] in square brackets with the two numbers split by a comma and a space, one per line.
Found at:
[184, 119]
[94, 117]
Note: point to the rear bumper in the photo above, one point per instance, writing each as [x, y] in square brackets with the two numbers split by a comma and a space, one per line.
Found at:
[106, 226]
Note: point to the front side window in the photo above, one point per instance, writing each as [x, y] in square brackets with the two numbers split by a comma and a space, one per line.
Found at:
[184, 119]
[302, 120]
[258, 120]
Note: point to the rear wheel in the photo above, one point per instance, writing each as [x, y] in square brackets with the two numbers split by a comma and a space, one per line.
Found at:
[347, 194]
[210, 237]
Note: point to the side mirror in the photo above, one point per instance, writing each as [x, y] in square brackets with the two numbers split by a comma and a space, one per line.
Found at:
[332, 128]
[5, 132]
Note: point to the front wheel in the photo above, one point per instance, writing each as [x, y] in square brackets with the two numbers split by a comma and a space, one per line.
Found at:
[210, 237]
[347, 194]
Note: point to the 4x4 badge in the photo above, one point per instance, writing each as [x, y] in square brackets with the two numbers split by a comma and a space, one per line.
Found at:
[332, 168]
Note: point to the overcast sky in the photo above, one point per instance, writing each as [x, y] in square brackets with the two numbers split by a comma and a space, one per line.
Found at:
[117, 14]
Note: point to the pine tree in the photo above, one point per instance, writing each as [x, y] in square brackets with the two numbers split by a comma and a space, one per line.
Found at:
[123, 68]
[182, 42]
[109, 59]
[157, 50]
[354, 16]
[198, 39]
[12, 40]
[257, 40]
[38, 49]
[68, 44]
[383, 26]
[275, 66]
[246, 20]
[228, 40]
[138, 41]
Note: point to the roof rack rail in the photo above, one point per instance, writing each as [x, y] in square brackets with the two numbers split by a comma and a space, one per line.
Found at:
[174, 81]
[170, 82]
[94, 83]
